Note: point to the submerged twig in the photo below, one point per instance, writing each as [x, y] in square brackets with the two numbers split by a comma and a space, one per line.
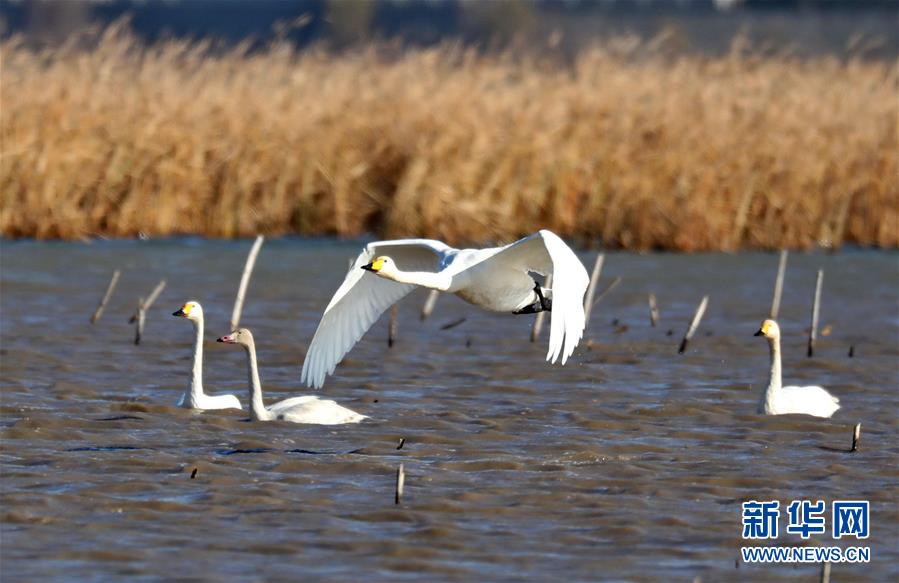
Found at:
[109, 289]
[452, 324]
[612, 285]
[245, 281]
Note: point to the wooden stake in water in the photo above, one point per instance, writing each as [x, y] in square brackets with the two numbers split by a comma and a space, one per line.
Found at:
[245, 281]
[151, 299]
[392, 327]
[538, 321]
[693, 324]
[778, 284]
[140, 318]
[591, 289]
[154, 294]
[653, 310]
[816, 307]
[856, 435]
[109, 289]
[825, 572]
[400, 482]
[428, 307]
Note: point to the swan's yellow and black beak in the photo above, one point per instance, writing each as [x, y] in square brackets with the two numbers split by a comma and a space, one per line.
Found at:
[759, 333]
[374, 266]
[180, 313]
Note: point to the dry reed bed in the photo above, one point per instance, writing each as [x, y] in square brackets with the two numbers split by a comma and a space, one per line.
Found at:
[623, 144]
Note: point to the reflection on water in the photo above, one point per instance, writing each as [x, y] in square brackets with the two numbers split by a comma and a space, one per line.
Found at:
[628, 463]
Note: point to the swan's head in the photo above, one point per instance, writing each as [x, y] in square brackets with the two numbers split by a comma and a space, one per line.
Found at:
[241, 336]
[383, 266]
[769, 329]
[191, 310]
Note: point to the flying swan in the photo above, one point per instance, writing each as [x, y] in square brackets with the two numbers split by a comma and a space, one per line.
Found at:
[496, 279]
[780, 400]
[195, 398]
[306, 409]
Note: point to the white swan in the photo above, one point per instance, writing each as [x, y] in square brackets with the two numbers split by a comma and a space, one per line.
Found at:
[495, 279]
[780, 400]
[306, 409]
[195, 398]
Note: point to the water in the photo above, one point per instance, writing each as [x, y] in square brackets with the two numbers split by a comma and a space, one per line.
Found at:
[629, 463]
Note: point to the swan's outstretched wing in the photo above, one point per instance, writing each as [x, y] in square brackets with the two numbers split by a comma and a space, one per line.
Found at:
[545, 253]
[361, 299]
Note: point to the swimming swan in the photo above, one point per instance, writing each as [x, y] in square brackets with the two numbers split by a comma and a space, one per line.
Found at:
[495, 279]
[307, 409]
[779, 400]
[195, 398]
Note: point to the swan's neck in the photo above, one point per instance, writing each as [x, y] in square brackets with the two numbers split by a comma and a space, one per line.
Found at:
[439, 281]
[774, 381]
[196, 379]
[258, 412]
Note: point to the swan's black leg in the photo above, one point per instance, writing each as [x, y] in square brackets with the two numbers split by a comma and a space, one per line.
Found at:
[543, 304]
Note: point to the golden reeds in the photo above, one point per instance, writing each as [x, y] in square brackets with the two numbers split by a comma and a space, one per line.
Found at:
[622, 143]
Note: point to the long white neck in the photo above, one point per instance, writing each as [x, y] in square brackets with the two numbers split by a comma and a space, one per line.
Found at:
[439, 281]
[258, 412]
[196, 379]
[774, 382]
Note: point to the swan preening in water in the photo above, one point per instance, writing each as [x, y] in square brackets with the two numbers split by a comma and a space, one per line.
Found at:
[306, 409]
[195, 398]
[496, 279]
[780, 400]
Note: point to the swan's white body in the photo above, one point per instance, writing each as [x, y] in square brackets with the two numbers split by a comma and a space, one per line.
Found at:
[305, 409]
[495, 279]
[195, 398]
[780, 400]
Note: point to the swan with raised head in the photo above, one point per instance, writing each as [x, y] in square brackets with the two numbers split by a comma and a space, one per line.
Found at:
[496, 279]
[195, 398]
[780, 400]
[306, 409]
